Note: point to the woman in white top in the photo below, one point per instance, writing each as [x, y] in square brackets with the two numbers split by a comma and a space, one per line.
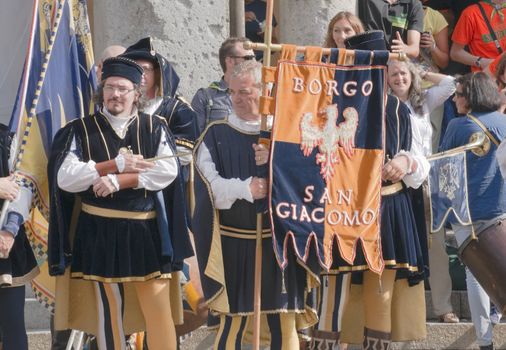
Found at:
[405, 81]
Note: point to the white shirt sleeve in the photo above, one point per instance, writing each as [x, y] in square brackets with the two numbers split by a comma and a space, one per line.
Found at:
[225, 191]
[187, 158]
[75, 175]
[164, 171]
[439, 93]
[415, 179]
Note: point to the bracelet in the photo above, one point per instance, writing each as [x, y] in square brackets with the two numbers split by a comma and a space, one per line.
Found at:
[477, 63]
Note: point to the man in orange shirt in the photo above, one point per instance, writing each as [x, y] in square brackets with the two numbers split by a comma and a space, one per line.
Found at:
[472, 30]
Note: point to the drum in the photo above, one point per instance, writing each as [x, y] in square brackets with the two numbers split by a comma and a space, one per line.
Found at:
[485, 258]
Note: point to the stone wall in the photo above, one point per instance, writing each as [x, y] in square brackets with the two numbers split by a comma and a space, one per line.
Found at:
[304, 22]
[189, 32]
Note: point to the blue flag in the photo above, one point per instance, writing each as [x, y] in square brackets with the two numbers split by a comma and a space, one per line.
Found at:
[56, 86]
[448, 191]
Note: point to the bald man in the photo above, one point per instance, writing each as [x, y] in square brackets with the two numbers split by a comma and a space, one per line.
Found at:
[109, 51]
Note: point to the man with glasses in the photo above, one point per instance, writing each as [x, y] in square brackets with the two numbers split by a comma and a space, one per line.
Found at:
[121, 252]
[214, 103]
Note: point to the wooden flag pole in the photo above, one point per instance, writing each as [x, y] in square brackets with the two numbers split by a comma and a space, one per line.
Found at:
[401, 56]
[257, 301]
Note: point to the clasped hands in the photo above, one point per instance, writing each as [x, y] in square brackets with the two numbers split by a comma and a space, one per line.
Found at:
[126, 163]
[395, 169]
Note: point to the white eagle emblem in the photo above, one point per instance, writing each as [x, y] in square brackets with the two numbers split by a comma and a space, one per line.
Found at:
[325, 133]
[449, 179]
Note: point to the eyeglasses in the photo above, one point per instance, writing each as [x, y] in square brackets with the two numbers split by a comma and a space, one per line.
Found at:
[246, 57]
[148, 69]
[120, 89]
[459, 94]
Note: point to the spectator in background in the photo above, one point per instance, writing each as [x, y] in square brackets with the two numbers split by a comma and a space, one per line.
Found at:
[500, 72]
[434, 41]
[433, 58]
[400, 20]
[405, 79]
[110, 51]
[482, 28]
[477, 94]
[342, 26]
[255, 15]
[213, 102]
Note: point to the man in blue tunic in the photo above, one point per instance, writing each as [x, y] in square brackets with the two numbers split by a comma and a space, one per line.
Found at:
[478, 98]
[228, 188]
[130, 238]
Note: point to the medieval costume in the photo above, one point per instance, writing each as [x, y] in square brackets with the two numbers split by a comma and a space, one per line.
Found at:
[179, 114]
[224, 225]
[132, 235]
[20, 266]
[374, 310]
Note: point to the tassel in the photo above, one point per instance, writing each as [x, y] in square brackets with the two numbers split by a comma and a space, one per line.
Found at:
[283, 287]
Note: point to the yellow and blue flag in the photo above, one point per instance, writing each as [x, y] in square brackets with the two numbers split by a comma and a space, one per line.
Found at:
[56, 86]
[448, 191]
[327, 154]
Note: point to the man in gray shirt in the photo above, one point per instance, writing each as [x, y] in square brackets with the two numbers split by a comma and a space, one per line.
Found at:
[213, 103]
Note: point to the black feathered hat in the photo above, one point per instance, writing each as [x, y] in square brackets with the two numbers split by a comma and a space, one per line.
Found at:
[141, 50]
[122, 67]
[144, 50]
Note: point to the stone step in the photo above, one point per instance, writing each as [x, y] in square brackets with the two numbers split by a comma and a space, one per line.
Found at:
[39, 340]
[440, 336]
[36, 316]
[459, 302]
[457, 336]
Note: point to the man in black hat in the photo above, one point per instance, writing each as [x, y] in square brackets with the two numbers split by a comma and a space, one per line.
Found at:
[121, 250]
[159, 84]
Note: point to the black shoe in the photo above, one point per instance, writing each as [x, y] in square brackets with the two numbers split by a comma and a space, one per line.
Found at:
[487, 347]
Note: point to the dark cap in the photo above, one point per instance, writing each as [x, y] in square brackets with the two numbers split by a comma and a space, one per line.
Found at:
[370, 40]
[122, 67]
[142, 50]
